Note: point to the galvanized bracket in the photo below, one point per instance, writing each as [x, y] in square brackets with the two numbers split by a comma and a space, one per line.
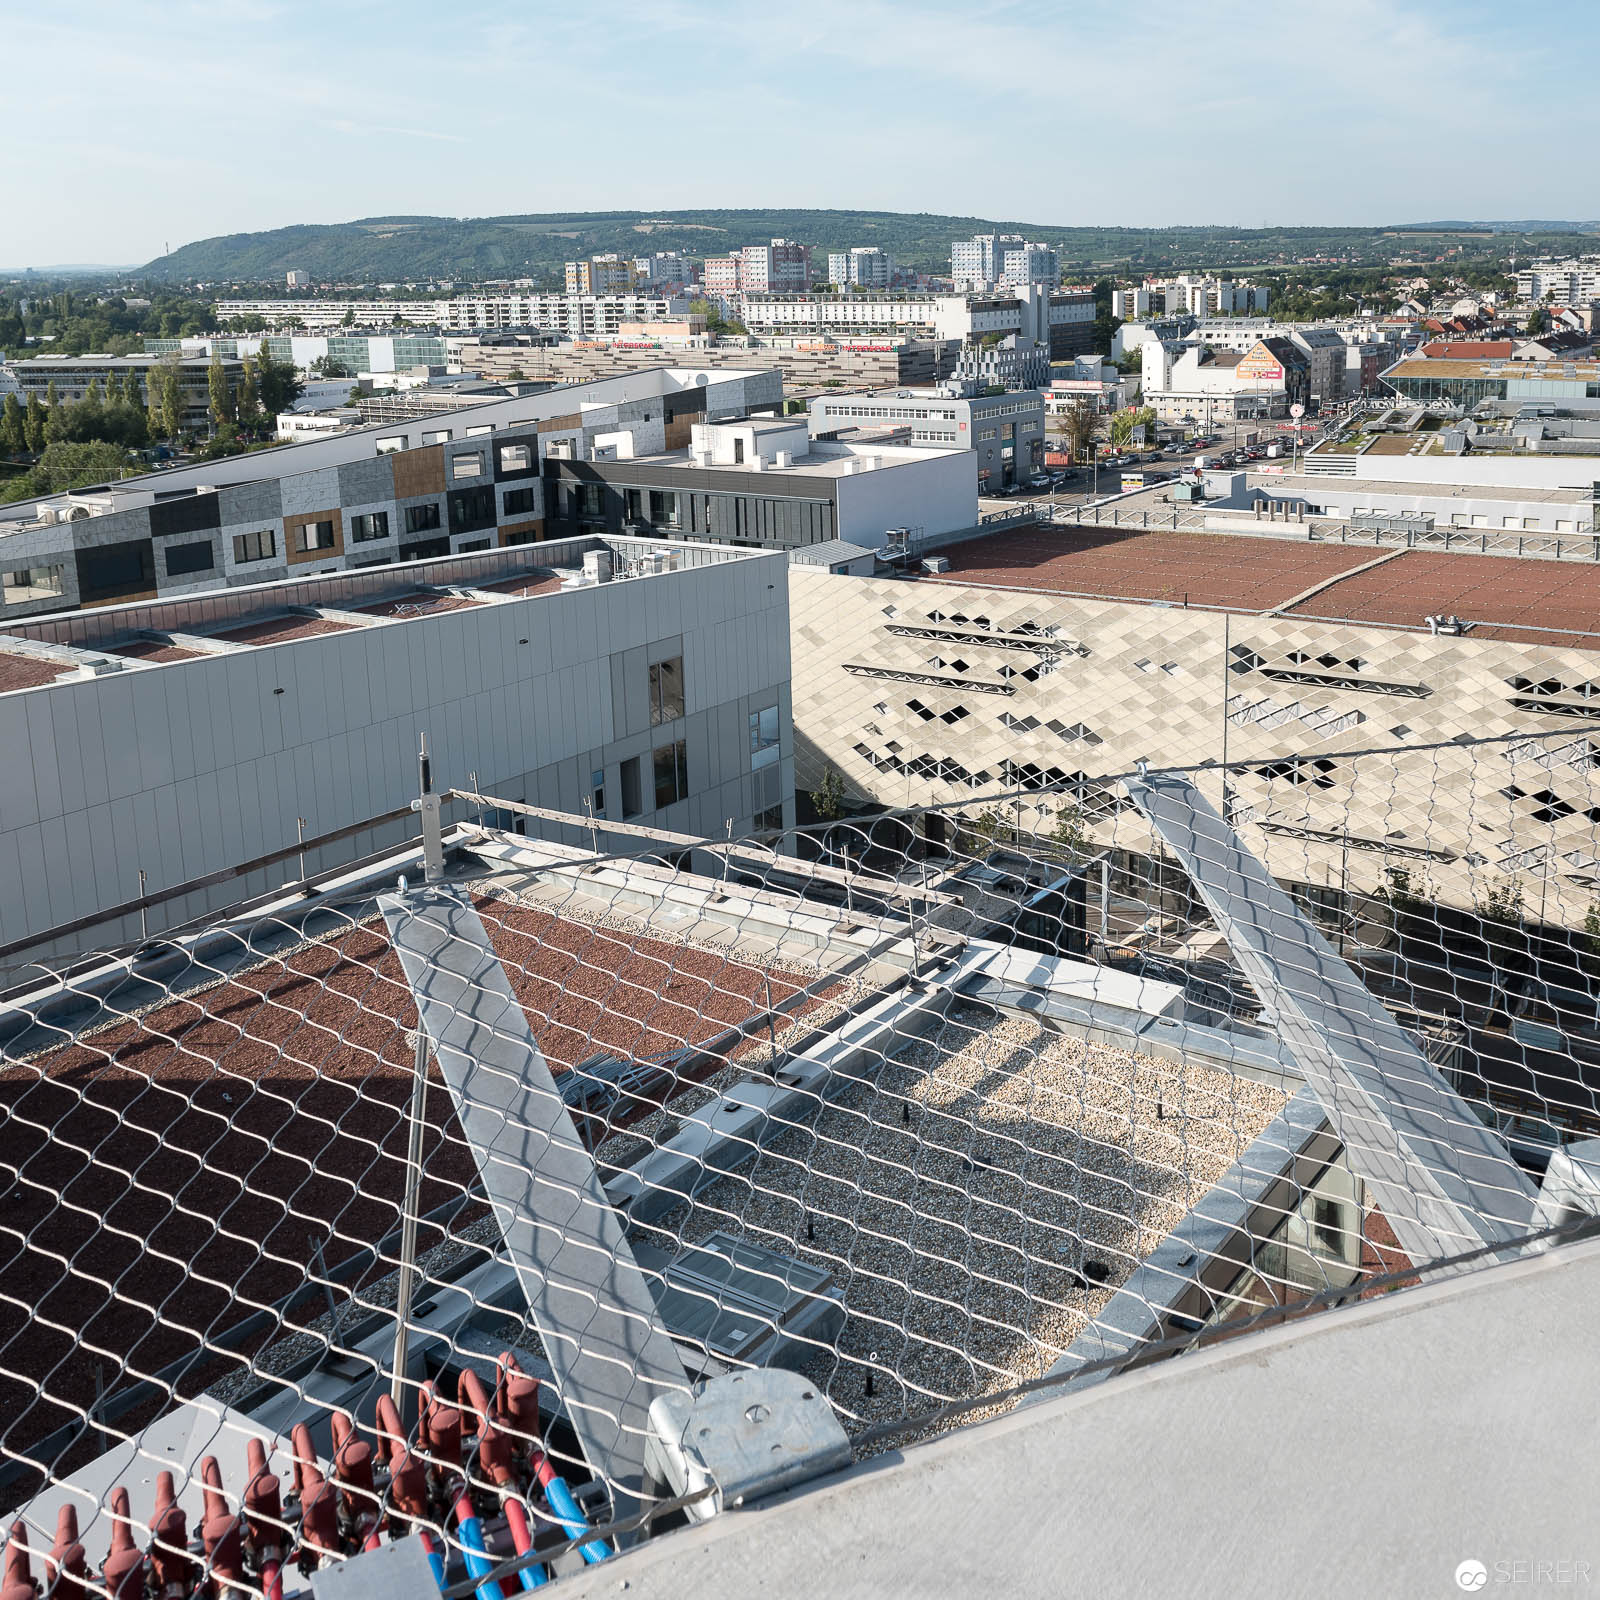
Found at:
[397, 1570]
[747, 1435]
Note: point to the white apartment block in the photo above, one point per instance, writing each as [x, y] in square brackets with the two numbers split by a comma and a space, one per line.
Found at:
[577, 315]
[1573, 282]
[862, 267]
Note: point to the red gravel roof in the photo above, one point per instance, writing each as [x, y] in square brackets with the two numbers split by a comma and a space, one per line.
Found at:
[28, 672]
[1242, 574]
[1505, 597]
[151, 650]
[546, 583]
[419, 603]
[271, 1109]
[279, 630]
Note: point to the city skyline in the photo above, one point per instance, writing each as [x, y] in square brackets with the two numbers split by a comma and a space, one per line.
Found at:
[396, 112]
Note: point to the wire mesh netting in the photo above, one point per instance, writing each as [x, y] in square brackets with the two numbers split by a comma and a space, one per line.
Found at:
[396, 1205]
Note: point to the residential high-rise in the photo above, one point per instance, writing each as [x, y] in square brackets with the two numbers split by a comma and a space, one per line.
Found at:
[607, 274]
[782, 266]
[862, 267]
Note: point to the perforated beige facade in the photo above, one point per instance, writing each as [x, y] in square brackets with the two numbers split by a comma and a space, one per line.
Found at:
[933, 692]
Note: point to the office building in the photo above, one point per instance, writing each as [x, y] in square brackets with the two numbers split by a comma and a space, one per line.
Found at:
[72, 376]
[608, 274]
[1024, 265]
[760, 483]
[352, 353]
[861, 267]
[1004, 432]
[435, 484]
[1202, 387]
[188, 734]
[1009, 363]
[1466, 383]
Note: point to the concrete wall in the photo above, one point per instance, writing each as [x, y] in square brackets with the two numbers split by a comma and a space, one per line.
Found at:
[189, 767]
[937, 492]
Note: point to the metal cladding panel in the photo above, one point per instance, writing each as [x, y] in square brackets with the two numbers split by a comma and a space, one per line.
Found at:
[1443, 1180]
[596, 1317]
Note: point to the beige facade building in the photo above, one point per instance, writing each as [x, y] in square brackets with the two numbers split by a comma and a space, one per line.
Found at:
[1049, 661]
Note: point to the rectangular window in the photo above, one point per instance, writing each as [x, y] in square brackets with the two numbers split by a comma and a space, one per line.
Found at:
[420, 518]
[469, 464]
[672, 774]
[395, 441]
[632, 797]
[438, 436]
[370, 525]
[763, 738]
[186, 558]
[480, 429]
[770, 820]
[471, 509]
[633, 505]
[33, 583]
[664, 508]
[666, 691]
[515, 458]
[311, 536]
[597, 791]
[254, 546]
[519, 502]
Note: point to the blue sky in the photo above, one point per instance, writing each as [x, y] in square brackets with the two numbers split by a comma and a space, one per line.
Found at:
[142, 122]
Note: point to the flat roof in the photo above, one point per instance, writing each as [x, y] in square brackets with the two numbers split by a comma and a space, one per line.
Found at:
[1505, 597]
[1554, 603]
[811, 465]
[1315, 487]
[1239, 573]
[1438, 367]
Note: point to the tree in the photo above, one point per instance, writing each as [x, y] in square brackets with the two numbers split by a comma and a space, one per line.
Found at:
[130, 388]
[277, 382]
[68, 466]
[328, 367]
[827, 799]
[13, 426]
[249, 401]
[55, 420]
[36, 424]
[1124, 422]
[1538, 322]
[217, 387]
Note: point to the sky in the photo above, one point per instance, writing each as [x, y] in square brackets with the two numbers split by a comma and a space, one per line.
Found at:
[142, 123]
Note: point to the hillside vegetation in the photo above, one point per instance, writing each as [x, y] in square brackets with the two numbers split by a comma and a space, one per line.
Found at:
[399, 249]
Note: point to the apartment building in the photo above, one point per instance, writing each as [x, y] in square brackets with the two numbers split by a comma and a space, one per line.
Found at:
[1040, 660]
[577, 315]
[1573, 282]
[666, 270]
[607, 274]
[781, 267]
[861, 267]
[760, 483]
[72, 376]
[1002, 260]
[151, 744]
[1005, 433]
[429, 486]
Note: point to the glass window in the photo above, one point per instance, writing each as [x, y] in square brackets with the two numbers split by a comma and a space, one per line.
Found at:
[395, 441]
[370, 525]
[666, 691]
[469, 464]
[313, 536]
[597, 791]
[438, 436]
[33, 583]
[480, 429]
[763, 737]
[632, 798]
[664, 508]
[671, 774]
[633, 505]
[186, 558]
[515, 458]
[254, 546]
[519, 502]
[420, 518]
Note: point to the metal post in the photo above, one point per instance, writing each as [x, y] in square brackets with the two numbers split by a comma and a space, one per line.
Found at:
[144, 924]
[427, 803]
[1105, 905]
[408, 1224]
[300, 839]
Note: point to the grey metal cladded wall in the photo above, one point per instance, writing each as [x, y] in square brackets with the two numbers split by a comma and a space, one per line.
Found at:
[194, 766]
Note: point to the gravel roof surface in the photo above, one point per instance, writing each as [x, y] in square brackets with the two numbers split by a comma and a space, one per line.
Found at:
[169, 1173]
[279, 630]
[954, 1197]
[28, 672]
[152, 650]
[418, 604]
